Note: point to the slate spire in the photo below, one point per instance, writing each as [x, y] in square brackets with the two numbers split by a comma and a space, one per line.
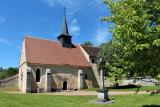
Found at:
[64, 37]
[65, 26]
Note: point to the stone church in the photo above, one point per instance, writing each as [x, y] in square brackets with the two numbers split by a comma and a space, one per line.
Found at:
[48, 66]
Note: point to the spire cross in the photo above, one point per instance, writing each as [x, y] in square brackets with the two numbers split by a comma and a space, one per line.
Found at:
[64, 11]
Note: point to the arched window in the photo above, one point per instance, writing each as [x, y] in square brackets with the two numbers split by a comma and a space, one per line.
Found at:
[86, 76]
[38, 74]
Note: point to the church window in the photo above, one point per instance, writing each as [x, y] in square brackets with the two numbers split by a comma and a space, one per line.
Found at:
[38, 75]
[93, 61]
[86, 76]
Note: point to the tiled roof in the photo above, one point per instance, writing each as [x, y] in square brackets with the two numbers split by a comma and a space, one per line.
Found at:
[92, 51]
[41, 51]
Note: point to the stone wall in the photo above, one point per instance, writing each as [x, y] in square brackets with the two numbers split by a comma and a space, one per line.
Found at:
[59, 74]
[22, 75]
[10, 82]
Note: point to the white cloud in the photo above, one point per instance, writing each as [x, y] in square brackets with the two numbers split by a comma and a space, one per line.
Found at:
[98, 4]
[67, 3]
[2, 19]
[102, 35]
[73, 6]
[74, 28]
[4, 41]
[51, 3]
[72, 12]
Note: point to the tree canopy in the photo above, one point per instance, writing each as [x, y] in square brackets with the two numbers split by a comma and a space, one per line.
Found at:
[88, 43]
[137, 34]
[5, 73]
[111, 55]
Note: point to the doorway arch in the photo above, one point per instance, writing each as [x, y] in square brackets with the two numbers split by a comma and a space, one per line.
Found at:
[65, 84]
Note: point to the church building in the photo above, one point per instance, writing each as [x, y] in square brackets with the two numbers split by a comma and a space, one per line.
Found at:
[49, 66]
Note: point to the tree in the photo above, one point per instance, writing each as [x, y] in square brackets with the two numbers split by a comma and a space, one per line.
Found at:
[88, 43]
[111, 55]
[1, 69]
[137, 31]
[5, 73]
[12, 71]
[2, 75]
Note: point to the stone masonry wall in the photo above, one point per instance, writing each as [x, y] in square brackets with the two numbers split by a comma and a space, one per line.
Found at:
[10, 82]
[61, 74]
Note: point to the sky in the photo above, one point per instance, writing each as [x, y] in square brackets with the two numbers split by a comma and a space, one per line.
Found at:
[44, 18]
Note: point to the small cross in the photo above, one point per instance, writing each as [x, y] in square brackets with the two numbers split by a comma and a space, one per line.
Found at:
[64, 11]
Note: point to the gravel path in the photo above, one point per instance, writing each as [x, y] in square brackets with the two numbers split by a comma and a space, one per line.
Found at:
[84, 93]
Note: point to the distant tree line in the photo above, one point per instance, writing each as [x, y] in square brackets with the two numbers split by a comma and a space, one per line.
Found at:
[5, 73]
[88, 43]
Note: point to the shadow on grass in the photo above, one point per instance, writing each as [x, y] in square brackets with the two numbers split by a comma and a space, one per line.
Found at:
[151, 106]
[125, 87]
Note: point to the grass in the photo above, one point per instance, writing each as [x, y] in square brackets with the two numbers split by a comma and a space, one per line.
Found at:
[39, 100]
[127, 88]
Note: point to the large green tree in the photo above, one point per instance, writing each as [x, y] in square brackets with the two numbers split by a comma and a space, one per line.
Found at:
[112, 57]
[137, 32]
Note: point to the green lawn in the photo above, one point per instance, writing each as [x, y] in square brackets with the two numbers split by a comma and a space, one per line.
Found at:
[39, 100]
[124, 88]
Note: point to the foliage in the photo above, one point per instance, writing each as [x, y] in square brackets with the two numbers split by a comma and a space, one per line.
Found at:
[158, 77]
[4, 73]
[111, 55]
[88, 43]
[137, 32]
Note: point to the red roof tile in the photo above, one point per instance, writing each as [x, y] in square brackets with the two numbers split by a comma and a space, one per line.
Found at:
[41, 51]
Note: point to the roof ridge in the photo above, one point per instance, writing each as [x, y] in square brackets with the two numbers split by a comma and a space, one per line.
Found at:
[28, 36]
[90, 46]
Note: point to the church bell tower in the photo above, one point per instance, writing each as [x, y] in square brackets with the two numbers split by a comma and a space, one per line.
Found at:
[65, 38]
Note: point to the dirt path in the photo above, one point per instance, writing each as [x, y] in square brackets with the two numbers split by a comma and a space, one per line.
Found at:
[84, 93]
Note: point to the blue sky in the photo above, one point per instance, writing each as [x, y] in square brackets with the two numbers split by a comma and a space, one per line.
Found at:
[43, 19]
